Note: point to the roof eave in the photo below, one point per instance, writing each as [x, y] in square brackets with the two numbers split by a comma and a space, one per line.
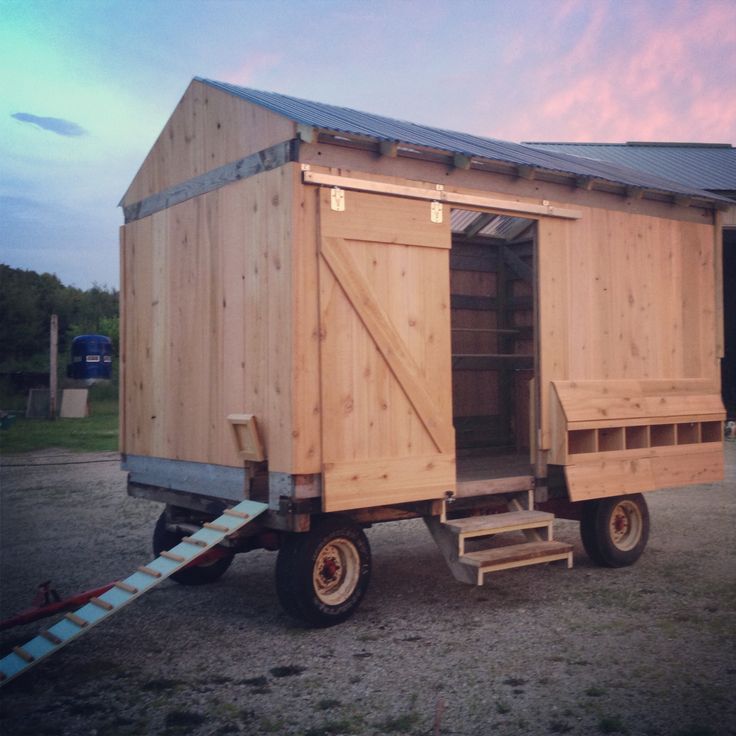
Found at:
[490, 165]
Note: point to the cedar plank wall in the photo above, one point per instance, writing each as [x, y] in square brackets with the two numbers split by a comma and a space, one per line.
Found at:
[675, 338]
[190, 275]
[625, 296]
[208, 128]
[207, 298]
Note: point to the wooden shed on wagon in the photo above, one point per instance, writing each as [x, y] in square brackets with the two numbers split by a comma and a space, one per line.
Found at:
[340, 312]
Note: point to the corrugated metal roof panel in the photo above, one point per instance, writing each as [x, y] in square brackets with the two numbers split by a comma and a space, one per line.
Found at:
[353, 122]
[703, 166]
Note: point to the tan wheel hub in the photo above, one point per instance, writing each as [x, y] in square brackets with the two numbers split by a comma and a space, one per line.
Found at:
[336, 572]
[625, 526]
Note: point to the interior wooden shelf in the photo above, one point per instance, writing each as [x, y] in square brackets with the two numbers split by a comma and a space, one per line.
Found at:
[491, 330]
[491, 361]
[638, 437]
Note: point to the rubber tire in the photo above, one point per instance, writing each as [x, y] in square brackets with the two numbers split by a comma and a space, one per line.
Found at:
[295, 567]
[164, 539]
[595, 526]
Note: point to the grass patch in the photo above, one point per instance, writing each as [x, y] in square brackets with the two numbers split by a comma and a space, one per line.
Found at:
[95, 433]
[162, 684]
[178, 721]
[400, 724]
[288, 671]
[595, 692]
[559, 727]
[328, 704]
[502, 708]
[335, 728]
[611, 725]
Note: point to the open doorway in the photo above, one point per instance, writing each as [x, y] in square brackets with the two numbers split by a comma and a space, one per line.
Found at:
[492, 277]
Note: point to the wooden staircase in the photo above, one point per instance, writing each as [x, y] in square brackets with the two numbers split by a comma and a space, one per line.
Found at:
[471, 567]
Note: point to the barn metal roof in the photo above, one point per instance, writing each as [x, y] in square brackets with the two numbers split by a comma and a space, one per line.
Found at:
[344, 120]
[710, 166]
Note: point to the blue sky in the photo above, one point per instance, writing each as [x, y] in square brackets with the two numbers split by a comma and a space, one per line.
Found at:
[85, 87]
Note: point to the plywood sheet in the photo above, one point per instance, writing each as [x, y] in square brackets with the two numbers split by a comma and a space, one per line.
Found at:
[74, 403]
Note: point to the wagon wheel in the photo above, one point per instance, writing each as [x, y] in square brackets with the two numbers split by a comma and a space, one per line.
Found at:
[212, 567]
[615, 530]
[322, 575]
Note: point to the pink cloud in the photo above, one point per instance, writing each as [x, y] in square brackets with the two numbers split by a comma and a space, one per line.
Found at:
[253, 65]
[634, 73]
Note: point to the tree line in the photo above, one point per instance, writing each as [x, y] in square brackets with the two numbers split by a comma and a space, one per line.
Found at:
[27, 301]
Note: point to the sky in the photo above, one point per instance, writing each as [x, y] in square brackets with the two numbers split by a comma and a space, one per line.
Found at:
[86, 87]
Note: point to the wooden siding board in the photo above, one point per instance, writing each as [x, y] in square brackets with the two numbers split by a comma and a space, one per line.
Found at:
[305, 329]
[209, 323]
[208, 129]
[384, 352]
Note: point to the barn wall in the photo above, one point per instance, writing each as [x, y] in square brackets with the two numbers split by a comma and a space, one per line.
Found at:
[206, 299]
[208, 128]
[626, 296]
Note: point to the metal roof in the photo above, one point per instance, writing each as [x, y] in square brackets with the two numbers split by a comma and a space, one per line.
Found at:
[701, 165]
[353, 122]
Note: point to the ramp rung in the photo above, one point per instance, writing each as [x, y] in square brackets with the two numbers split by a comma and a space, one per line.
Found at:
[50, 637]
[237, 514]
[171, 556]
[122, 592]
[78, 620]
[101, 604]
[216, 527]
[192, 540]
[23, 654]
[127, 588]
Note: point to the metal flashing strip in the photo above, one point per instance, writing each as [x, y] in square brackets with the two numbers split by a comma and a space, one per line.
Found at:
[265, 160]
[218, 481]
[440, 195]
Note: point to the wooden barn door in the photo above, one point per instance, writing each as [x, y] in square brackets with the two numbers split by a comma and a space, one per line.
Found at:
[386, 376]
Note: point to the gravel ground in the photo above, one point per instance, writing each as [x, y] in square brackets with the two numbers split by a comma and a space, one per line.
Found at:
[643, 650]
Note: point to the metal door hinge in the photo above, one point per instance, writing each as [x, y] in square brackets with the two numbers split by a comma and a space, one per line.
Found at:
[435, 211]
[337, 199]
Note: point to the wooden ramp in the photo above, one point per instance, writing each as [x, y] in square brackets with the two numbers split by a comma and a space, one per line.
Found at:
[125, 591]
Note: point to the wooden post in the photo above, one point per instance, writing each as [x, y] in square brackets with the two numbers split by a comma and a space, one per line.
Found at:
[54, 350]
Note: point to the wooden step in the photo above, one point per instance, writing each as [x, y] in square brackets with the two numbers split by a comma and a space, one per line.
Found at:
[479, 526]
[517, 555]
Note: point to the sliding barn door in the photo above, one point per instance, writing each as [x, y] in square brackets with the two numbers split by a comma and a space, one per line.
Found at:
[386, 375]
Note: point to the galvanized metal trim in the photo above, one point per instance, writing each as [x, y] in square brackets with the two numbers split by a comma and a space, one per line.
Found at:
[256, 163]
[216, 481]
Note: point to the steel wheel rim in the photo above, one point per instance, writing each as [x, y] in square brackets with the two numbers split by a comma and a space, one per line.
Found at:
[336, 572]
[625, 525]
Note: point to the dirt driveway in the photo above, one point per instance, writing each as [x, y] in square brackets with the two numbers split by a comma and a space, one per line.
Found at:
[643, 650]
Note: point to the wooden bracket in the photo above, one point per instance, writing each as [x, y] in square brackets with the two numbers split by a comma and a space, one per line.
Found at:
[388, 148]
[461, 162]
[247, 437]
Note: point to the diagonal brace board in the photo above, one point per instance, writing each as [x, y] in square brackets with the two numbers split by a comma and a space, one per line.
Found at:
[387, 340]
[75, 624]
